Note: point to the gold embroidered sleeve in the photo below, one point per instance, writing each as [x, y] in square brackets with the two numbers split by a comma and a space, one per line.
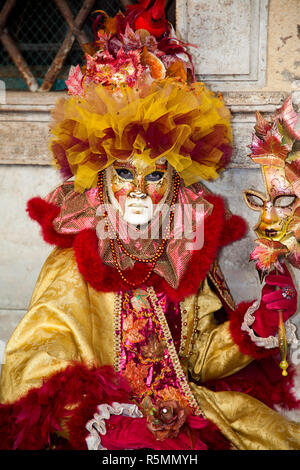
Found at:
[213, 353]
[56, 329]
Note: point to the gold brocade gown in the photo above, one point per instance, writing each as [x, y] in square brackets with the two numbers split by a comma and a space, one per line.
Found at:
[69, 320]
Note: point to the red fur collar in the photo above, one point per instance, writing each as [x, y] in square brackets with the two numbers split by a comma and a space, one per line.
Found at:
[219, 230]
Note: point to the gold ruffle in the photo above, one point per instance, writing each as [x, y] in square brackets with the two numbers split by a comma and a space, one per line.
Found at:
[246, 422]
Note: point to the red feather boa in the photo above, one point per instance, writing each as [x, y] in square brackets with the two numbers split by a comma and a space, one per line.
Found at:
[32, 422]
[262, 380]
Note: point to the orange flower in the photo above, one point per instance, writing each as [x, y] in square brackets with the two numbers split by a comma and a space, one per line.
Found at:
[136, 376]
[176, 69]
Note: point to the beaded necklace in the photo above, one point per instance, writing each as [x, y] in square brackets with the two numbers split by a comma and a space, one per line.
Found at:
[153, 260]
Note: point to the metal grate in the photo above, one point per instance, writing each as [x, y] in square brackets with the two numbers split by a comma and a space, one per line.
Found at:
[38, 30]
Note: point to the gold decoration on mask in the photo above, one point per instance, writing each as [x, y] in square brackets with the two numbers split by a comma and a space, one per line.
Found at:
[152, 261]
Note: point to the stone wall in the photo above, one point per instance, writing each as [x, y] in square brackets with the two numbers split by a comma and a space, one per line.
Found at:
[254, 61]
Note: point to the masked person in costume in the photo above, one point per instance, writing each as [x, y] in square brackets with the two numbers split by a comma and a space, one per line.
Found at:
[133, 341]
